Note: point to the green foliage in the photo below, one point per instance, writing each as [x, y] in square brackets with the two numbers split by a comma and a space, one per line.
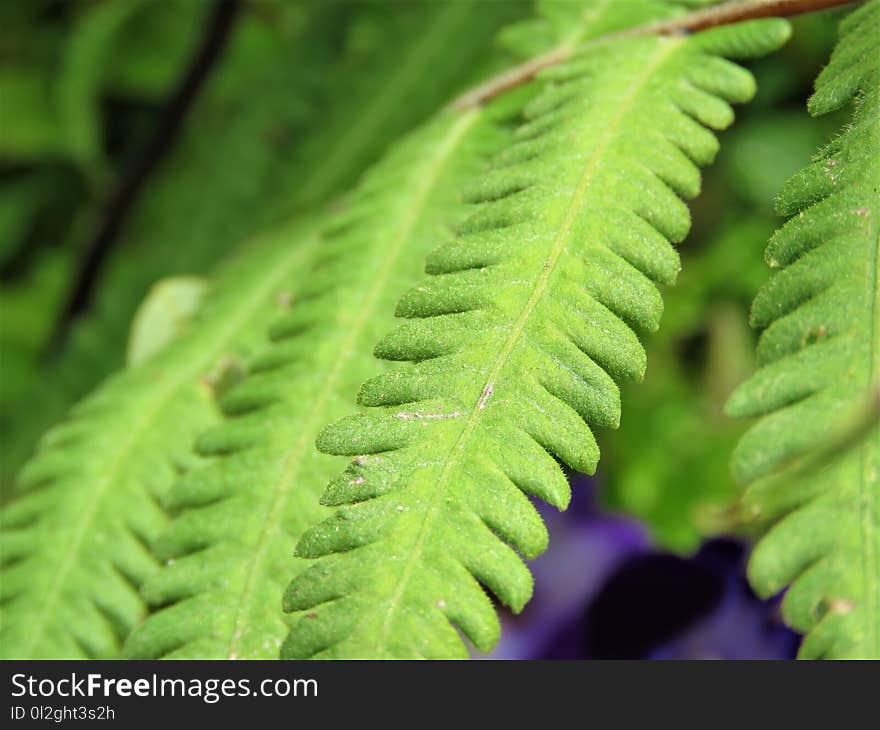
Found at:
[206, 611]
[381, 84]
[55, 71]
[75, 541]
[51, 194]
[169, 217]
[228, 551]
[280, 106]
[819, 358]
[86, 59]
[97, 475]
[198, 504]
[517, 340]
[680, 486]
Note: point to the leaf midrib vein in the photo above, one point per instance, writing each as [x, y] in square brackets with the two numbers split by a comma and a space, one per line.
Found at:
[237, 322]
[293, 458]
[558, 247]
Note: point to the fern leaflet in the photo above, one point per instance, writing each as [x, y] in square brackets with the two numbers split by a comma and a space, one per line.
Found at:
[130, 472]
[75, 542]
[229, 549]
[261, 500]
[516, 342]
[819, 358]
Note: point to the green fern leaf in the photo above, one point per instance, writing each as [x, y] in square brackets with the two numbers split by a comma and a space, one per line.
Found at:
[819, 358]
[74, 542]
[239, 516]
[228, 551]
[517, 341]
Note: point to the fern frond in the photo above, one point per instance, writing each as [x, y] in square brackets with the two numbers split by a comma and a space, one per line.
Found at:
[819, 358]
[228, 551]
[516, 341]
[74, 543]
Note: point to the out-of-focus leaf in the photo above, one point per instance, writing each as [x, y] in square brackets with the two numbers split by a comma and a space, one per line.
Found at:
[304, 97]
[88, 54]
[162, 316]
[28, 305]
[27, 312]
[20, 200]
[152, 49]
[27, 120]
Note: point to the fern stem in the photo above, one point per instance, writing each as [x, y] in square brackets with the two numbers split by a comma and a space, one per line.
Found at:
[735, 11]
